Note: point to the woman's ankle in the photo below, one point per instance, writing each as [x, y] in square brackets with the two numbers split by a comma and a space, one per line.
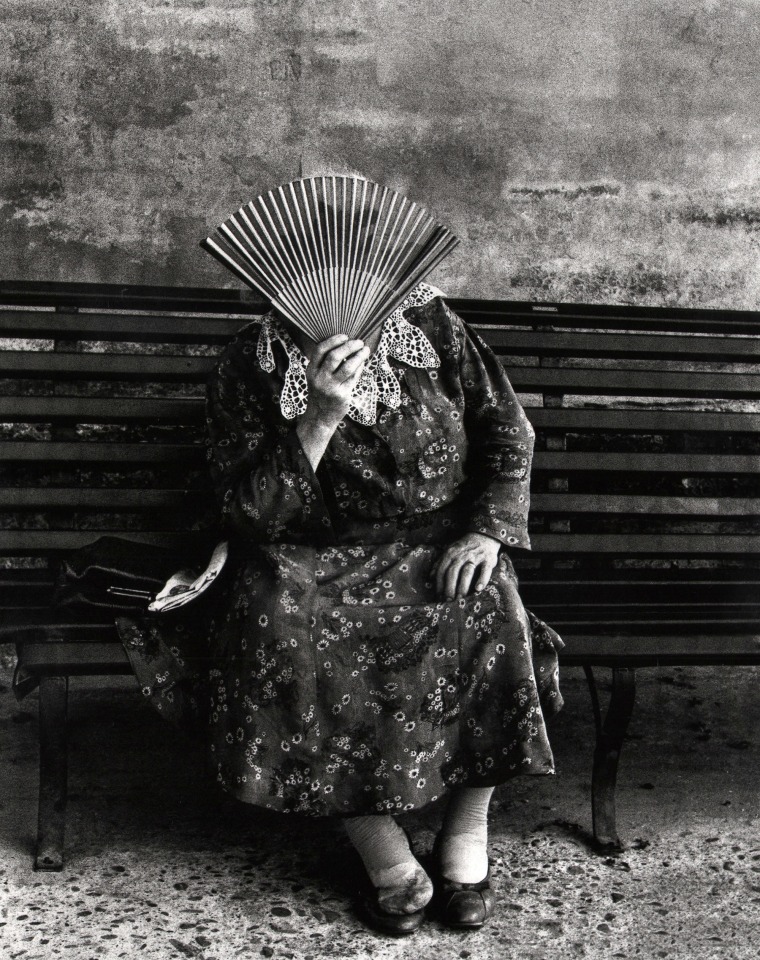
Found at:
[462, 857]
[462, 846]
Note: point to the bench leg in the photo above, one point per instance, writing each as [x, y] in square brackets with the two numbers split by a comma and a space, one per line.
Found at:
[610, 734]
[53, 773]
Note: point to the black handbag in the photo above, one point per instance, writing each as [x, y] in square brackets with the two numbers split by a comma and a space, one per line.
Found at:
[114, 574]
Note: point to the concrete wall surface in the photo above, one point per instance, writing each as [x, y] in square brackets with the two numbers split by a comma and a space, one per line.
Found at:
[584, 150]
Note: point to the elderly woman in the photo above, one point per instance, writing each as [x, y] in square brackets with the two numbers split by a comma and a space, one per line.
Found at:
[371, 653]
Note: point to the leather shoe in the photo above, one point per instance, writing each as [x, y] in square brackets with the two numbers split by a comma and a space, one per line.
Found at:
[393, 924]
[464, 906]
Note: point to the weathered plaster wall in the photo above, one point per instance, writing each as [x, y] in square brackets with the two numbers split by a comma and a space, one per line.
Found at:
[590, 150]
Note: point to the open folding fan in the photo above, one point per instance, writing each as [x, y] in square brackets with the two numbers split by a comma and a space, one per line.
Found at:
[334, 254]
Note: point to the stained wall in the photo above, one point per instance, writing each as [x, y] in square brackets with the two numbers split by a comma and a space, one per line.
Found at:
[590, 150]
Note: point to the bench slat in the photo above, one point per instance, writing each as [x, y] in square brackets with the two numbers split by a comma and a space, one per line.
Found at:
[665, 611]
[106, 366]
[651, 649]
[24, 594]
[42, 542]
[558, 462]
[191, 410]
[44, 616]
[242, 300]
[75, 659]
[47, 541]
[213, 329]
[114, 296]
[633, 650]
[66, 454]
[547, 343]
[655, 627]
[145, 328]
[81, 498]
[639, 421]
[682, 463]
[57, 409]
[645, 505]
[606, 316]
[592, 593]
[581, 381]
[622, 382]
[638, 545]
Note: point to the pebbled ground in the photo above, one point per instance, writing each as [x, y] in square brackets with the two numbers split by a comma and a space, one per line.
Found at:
[160, 867]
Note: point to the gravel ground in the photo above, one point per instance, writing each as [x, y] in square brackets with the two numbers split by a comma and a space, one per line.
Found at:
[159, 866]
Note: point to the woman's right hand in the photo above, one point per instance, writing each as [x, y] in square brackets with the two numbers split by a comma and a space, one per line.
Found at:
[334, 368]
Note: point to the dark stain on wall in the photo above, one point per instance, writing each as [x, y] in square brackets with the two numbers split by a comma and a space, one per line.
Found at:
[31, 113]
[120, 86]
[741, 215]
[568, 193]
[25, 153]
[591, 286]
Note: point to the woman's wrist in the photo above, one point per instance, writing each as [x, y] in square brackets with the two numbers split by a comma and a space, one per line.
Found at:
[317, 422]
[315, 433]
[488, 540]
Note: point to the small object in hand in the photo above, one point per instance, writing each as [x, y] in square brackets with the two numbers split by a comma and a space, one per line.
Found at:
[184, 586]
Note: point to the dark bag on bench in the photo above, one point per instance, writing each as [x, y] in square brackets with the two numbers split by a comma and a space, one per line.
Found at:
[115, 575]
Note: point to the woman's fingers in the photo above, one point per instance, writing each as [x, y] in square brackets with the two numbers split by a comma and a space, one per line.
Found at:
[336, 358]
[486, 569]
[323, 348]
[353, 364]
[450, 580]
[457, 575]
[441, 567]
[466, 575]
[447, 572]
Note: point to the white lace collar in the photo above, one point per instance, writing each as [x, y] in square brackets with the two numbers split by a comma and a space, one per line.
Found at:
[378, 383]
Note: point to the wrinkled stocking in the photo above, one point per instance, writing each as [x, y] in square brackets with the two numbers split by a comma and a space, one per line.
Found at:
[402, 884]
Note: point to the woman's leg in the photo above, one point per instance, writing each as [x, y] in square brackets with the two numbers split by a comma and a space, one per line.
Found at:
[402, 884]
[463, 841]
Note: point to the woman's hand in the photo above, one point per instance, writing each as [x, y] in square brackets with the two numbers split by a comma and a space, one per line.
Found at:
[466, 562]
[334, 368]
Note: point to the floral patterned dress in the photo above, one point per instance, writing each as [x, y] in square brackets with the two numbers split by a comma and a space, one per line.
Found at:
[338, 682]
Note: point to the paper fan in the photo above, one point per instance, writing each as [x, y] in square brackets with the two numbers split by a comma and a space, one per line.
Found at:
[334, 254]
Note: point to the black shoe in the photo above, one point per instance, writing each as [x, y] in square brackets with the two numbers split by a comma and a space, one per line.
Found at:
[393, 924]
[464, 906]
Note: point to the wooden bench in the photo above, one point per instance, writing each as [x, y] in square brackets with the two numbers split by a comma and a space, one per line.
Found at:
[645, 492]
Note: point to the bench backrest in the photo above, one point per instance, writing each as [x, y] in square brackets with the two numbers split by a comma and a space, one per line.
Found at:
[102, 411]
[646, 483]
[648, 439]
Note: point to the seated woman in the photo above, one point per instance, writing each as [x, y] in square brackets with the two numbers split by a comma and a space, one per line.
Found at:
[371, 654]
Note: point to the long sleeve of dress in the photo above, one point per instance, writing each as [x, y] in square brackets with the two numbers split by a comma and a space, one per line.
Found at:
[268, 491]
[500, 445]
